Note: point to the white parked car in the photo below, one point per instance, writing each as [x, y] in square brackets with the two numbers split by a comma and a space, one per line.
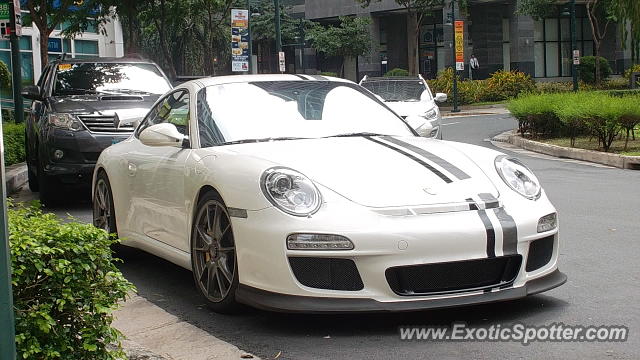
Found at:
[411, 98]
[307, 194]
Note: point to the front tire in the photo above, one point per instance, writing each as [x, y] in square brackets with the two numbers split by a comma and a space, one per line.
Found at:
[33, 178]
[213, 254]
[104, 215]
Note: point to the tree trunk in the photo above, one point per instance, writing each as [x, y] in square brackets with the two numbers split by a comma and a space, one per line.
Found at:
[44, 48]
[413, 30]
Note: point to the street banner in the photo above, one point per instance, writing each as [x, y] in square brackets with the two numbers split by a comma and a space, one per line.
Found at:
[239, 40]
[281, 62]
[459, 34]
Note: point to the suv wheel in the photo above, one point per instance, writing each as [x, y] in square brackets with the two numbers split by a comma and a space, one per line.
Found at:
[45, 187]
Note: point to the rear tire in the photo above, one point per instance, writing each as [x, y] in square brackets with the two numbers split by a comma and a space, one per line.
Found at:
[213, 254]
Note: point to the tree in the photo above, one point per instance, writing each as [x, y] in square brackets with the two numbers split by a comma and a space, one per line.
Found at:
[601, 14]
[416, 12]
[77, 15]
[349, 39]
[628, 12]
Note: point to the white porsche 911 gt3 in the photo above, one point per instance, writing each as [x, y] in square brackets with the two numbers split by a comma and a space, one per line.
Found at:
[307, 194]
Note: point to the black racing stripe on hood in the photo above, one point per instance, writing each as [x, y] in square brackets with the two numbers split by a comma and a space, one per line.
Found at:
[455, 171]
[491, 233]
[300, 76]
[509, 232]
[442, 176]
[490, 202]
[318, 77]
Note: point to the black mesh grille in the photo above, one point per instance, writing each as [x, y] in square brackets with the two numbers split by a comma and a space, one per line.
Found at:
[326, 273]
[540, 252]
[450, 277]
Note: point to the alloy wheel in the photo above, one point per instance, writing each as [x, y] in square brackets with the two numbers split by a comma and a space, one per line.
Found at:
[102, 206]
[213, 249]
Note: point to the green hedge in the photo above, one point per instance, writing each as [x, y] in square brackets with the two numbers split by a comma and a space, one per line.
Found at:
[501, 85]
[397, 72]
[599, 114]
[13, 135]
[65, 287]
[587, 69]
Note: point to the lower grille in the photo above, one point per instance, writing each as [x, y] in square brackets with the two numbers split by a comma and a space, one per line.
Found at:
[104, 124]
[327, 273]
[540, 252]
[452, 277]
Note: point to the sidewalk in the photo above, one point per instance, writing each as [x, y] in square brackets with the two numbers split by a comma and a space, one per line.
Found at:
[154, 334]
[479, 110]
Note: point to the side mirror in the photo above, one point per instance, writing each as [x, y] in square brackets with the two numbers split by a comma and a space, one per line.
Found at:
[31, 92]
[441, 97]
[425, 96]
[421, 125]
[164, 134]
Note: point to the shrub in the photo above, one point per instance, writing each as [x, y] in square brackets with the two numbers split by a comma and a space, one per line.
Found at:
[329, 73]
[65, 287]
[13, 136]
[632, 69]
[5, 76]
[587, 69]
[536, 115]
[397, 72]
[503, 85]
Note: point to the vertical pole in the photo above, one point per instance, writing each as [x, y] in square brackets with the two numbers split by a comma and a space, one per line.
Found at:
[250, 38]
[453, 54]
[303, 45]
[16, 66]
[7, 335]
[276, 3]
[574, 45]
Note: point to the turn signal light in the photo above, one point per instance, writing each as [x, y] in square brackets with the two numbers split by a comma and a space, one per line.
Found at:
[547, 223]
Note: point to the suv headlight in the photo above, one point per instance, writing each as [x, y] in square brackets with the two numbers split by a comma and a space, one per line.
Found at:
[431, 114]
[65, 121]
[518, 176]
[290, 191]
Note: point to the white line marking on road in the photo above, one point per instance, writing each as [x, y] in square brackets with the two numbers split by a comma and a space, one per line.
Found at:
[453, 123]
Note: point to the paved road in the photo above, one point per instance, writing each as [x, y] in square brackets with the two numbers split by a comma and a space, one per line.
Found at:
[599, 212]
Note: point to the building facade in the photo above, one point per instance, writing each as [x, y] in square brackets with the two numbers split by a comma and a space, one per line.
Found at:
[91, 43]
[493, 32]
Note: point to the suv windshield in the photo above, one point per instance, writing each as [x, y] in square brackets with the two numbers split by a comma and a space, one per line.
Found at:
[395, 89]
[293, 109]
[109, 78]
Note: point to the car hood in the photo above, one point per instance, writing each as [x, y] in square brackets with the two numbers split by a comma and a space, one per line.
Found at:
[103, 103]
[406, 108]
[381, 171]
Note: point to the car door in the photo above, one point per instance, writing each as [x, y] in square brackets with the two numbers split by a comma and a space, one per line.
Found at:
[157, 209]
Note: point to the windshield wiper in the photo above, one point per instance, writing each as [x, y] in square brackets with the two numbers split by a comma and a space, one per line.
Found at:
[247, 141]
[129, 91]
[75, 91]
[356, 134]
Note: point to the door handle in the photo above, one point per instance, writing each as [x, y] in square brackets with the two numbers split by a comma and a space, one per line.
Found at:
[132, 168]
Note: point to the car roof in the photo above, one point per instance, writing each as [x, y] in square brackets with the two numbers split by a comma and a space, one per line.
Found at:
[104, 60]
[228, 79]
[396, 78]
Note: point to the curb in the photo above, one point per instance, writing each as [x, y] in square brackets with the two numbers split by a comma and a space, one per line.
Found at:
[474, 107]
[615, 160]
[16, 177]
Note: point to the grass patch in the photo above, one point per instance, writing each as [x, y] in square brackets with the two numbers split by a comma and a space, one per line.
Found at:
[591, 143]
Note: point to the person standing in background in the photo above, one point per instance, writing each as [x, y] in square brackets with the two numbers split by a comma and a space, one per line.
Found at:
[474, 65]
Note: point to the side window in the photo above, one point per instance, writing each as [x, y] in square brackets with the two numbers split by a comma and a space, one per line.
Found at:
[209, 132]
[173, 109]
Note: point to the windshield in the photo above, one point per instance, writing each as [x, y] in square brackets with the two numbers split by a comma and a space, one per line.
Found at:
[109, 78]
[292, 109]
[396, 90]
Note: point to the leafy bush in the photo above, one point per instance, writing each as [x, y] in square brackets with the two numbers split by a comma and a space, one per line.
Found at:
[329, 73]
[596, 113]
[503, 85]
[13, 136]
[65, 287]
[5, 76]
[397, 72]
[587, 69]
[632, 69]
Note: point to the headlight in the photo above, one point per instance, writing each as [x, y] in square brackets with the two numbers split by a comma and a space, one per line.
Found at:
[65, 121]
[431, 114]
[291, 191]
[518, 176]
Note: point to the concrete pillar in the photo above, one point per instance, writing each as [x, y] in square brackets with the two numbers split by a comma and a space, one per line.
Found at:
[370, 63]
[522, 45]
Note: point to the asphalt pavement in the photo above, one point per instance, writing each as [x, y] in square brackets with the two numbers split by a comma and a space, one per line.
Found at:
[599, 210]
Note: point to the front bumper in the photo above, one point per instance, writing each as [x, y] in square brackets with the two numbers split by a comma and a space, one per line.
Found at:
[271, 301]
[80, 150]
